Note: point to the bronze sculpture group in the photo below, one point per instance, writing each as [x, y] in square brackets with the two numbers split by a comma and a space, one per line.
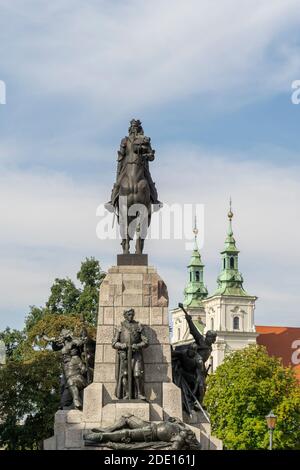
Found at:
[134, 193]
[77, 356]
[131, 432]
[188, 364]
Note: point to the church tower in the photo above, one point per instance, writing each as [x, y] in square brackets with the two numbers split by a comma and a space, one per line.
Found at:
[230, 310]
[194, 293]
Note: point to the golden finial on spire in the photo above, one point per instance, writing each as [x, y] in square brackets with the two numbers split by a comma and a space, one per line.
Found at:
[230, 213]
[195, 230]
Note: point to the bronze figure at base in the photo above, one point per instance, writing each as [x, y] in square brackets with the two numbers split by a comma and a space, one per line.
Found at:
[129, 340]
[131, 432]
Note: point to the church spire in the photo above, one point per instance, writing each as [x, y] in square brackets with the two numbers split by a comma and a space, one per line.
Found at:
[230, 280]
[195, 290]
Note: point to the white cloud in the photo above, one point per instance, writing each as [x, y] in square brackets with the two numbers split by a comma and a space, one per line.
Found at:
[48, 224]
[123, 56]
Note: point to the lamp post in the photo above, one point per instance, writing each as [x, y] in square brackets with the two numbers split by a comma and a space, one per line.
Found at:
[271, 422]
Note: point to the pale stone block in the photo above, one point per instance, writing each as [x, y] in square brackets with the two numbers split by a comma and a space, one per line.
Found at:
[59, 432]
[166, 316]
[118, 300]
[153, 392]
[109, 354]
[118, 315]
[147, 279]
[153, 353]
[156, 412]
[129, 277]
[142, 315]
[113, 270]
[104, 373]
[108, 316]
[100, 316]
[105, 334]
[166, 350]
[61, 416]
[147, 300]
[115, 278]
[74, 436]
[156, 316]
[157, 372]
[50, 443]
[172, 403]
[151, 270]
[132, 300]
[89, 426]
[158, 335]
[107, 302]
[132, 286]
[146, 289]
[108, 415]
[104, 289]
[93, 402]
[141, 410]
[112, 290]
[109, 393]
[99, 353]
[74, 416]
[133, 269]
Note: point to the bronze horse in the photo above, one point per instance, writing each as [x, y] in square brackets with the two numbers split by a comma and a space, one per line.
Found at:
[134, 192]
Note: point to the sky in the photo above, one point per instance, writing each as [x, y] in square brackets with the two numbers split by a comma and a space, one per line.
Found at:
[212, 83]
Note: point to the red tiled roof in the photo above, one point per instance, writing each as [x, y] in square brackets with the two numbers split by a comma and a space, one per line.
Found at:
[282, 341]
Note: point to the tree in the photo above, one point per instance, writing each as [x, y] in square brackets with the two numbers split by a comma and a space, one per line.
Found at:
[30, 379]
[14, 341]
[90, 276]
[29, 392]
[243, 390]
[64, 297]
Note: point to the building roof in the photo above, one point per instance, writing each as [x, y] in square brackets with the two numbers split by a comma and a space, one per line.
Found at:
[283, 342]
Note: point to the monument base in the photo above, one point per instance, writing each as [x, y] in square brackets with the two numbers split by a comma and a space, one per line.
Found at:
[141, 288]
[70, 426]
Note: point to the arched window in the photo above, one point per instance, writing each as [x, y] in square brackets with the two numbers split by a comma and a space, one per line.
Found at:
[224, 263]
[231, 262]
[191, 277]
[236, 323]
[212, 324]
[197, 276]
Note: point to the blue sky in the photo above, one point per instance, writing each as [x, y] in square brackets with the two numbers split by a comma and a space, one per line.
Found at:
[213, 94]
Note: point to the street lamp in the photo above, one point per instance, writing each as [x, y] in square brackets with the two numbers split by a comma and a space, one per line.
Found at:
[271, 422]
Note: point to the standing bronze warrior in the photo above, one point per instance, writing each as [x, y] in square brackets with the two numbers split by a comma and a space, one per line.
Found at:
[77, 362]
[134, 185]
[129, 340]
[188, 364]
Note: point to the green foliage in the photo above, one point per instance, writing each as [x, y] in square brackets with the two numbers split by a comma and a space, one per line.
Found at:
[64, 297]
[14, 341]
[29, 381]
[242, 392]
[35, 314]
[29, 392]
[90, 276]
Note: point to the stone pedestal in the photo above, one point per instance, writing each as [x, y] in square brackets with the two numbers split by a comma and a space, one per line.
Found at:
[124, 287]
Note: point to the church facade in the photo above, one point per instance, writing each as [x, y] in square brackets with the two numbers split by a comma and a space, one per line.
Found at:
[229, 311]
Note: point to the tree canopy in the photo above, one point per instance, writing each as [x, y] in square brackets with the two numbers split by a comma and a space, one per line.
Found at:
[243, 390]
[30, 379]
